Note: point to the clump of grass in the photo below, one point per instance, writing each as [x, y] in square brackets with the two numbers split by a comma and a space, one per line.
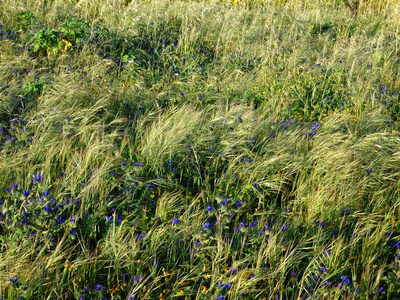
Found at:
[199, 150]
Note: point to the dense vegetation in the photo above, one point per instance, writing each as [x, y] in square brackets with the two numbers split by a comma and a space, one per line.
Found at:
[199, 149]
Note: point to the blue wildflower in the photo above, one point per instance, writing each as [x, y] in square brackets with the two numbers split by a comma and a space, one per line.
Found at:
[206, 225]
[345, 279]
[37, 177]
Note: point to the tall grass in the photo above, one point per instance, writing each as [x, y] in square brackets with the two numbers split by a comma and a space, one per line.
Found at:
[199, 149]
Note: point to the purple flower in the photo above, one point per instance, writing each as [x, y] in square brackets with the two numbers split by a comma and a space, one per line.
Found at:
[37, 177]
[226, 285]
[345, 279]
[99, 287]
[176, 221]
[284, 227]
[206, 225]
[239, 203]
[380, 291]
[14, 280]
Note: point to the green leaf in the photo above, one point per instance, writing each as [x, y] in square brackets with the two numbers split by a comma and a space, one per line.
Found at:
[125, 59]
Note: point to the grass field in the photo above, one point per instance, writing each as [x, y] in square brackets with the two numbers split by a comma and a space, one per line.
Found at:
[199, 149]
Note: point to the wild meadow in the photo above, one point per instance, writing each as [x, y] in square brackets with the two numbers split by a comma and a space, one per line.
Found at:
[199, 149]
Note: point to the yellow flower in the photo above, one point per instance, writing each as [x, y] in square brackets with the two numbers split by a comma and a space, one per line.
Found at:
[203, 289]
[66, 45]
